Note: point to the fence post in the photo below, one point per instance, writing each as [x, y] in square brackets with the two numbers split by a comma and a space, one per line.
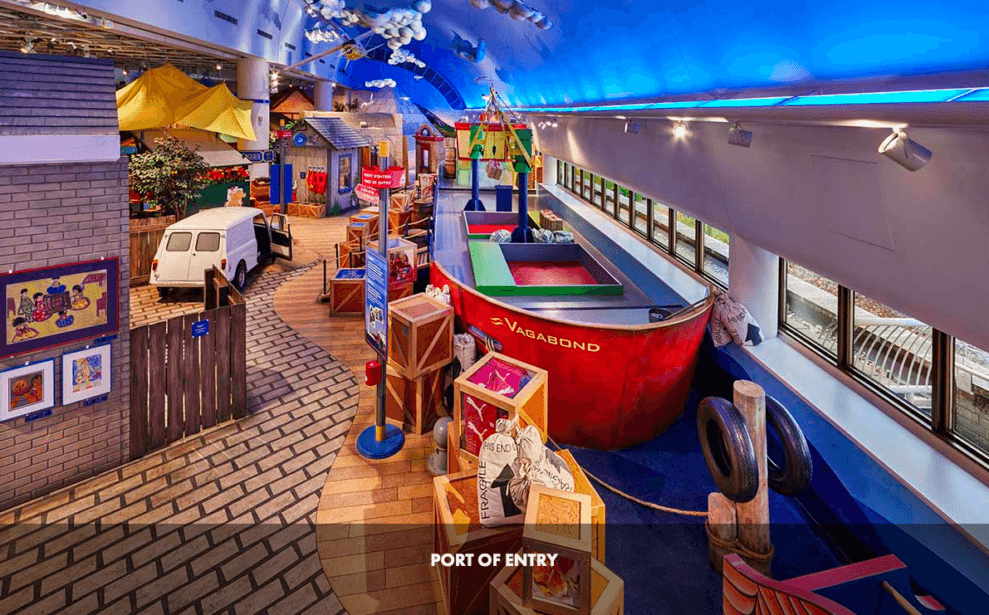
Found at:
[238, 352]
[209, 289]
[139, 438]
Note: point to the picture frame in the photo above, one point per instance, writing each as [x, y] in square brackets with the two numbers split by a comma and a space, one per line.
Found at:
[86, 374]
[26, 389]
[54, 306]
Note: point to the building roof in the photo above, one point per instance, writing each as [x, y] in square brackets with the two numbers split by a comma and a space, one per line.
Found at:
[337, 133]
[217, 218]
[215, 152]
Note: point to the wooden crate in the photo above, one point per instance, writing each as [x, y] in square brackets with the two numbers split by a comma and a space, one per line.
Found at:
[420, 335]
[399, 291]
[558, 522]
[457, 460]
[530, 403]
[357, 231]
[607, 592]
[368, 218]
[351, 254]
[465, 589]
[549, 220]
[419, 236]
[414, 403]
[401, 259]
[581, 484]
[347, 292]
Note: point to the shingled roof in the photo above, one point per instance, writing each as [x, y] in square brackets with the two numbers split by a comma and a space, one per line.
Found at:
[337, 133]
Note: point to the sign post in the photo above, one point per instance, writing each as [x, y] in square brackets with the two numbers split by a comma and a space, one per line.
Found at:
[381, 440]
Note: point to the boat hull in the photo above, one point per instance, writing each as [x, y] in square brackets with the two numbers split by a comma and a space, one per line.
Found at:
[609, 386]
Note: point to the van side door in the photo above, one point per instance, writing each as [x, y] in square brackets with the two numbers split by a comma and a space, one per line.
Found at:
[281, 237]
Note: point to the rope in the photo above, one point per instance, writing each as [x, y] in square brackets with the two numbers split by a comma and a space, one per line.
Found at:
[734, 546]
[632, 498]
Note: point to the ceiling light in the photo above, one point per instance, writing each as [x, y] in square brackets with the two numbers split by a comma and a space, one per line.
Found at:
[632, 127]
[904, 151]
[679, 130]
[739, 137]
[124, 72]
[219, 67]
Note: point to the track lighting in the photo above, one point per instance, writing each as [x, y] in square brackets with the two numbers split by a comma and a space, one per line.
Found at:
[679, 130]
[739, 137]
[904, 151]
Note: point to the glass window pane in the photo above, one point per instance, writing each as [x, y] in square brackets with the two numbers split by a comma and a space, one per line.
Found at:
[686, 229]
[972, 394]
[811, 307]
[893, 351]
[641, 214]
[596, 197]
[178, 242]
[716, 254]
[661, 225]
[586, 190]
[208, 242]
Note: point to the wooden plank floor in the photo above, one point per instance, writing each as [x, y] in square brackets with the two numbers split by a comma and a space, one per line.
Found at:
[374, 521]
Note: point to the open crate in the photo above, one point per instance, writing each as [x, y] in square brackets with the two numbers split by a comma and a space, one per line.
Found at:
[581, 484]
[478, 404]
[420, 335]
[607, 592]
[458, 529]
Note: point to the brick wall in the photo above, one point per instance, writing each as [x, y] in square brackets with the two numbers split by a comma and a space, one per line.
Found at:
[53, 215]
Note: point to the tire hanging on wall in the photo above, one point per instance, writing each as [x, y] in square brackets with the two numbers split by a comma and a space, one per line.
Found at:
[728, 449]
[795, 473]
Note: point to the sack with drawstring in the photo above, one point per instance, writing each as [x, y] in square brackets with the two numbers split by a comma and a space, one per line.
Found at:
[511, 460]
[732, 322]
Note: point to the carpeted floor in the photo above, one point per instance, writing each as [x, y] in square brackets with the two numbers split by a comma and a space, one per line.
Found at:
[663, 557]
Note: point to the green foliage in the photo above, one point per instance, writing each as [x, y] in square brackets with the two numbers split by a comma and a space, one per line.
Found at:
[171, 177]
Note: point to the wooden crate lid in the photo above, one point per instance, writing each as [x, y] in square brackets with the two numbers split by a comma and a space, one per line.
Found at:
[349, 274]
[419, 307]
[394, 243]
[559, 518]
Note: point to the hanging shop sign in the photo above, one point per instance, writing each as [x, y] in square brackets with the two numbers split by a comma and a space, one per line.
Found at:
[376, 178]
[367, 193]
[283, 134]
[376, 302]
[300, 139]
[263, 156]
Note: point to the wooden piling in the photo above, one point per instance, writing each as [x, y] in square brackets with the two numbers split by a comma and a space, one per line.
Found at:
[722, 528]
[753, 516]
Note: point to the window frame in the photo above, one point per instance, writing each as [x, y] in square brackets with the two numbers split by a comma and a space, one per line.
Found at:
[174, 234]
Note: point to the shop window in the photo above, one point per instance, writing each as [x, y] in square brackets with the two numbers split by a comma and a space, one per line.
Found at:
[686, 239]
[344, 177]
[716, 255]
[810, 308]
[892, 351]
[641, 224]
[661, 225]
[971, 415]
[178, 242]
[208, 242]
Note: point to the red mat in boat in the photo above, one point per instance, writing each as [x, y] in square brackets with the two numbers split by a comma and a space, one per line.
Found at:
[570, 273]
[490, 228]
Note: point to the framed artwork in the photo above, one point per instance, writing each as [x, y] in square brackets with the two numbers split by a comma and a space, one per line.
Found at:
[86, 374]
[58, 305]
[27, 389]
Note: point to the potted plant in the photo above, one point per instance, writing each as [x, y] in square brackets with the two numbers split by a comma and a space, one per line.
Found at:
[171, 177]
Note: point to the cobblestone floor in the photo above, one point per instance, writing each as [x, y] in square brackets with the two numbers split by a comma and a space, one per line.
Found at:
[219, 523]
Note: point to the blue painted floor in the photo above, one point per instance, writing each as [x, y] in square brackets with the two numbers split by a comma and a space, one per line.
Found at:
[663, 557]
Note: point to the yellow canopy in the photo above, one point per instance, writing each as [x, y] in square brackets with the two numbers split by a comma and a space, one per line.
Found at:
[151, 99]
[217, 110]
[165, 96]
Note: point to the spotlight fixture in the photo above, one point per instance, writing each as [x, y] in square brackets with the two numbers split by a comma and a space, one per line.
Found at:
[739, 137]
[632, 127]
[904, 151]
[679, 130]
[219, 67]
[124, 72]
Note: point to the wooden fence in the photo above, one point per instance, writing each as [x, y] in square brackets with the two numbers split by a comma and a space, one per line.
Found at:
[145, 235]
[182, 384]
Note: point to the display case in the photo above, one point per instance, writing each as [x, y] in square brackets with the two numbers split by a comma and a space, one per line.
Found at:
[414, 403]
[498, 387]
[457, 529]
[558, 523]
[607, 592]
[401, 260]
[347, 292]
[420, 335]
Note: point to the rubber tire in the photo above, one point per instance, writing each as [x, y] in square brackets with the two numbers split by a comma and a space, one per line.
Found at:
[797, 469]
[240, 277]
[164, 292]
[727, 449]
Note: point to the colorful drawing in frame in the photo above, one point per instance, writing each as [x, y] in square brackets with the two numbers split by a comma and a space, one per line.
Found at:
[27, 389]
[86, 374]
[58, 305]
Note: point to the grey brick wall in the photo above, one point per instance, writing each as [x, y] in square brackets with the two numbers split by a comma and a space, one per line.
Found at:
[52, 215]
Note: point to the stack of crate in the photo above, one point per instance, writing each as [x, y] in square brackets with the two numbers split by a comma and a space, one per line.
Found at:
[420, 345]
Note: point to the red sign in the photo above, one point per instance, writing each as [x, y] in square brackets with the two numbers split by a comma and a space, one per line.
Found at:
[367, 193]
[283, 134]
[376, 178]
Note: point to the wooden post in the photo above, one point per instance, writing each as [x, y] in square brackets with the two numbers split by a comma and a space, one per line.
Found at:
[721, 521]
[753, 516]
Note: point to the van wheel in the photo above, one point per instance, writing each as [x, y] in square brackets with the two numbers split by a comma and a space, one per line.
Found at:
[163, 292]
[240, 278]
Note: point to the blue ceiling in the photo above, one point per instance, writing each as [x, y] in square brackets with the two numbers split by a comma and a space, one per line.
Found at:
[618, 49]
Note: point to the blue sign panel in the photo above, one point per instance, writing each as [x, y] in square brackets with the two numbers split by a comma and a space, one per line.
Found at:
[263, 156]
[376, 302]
[269, 156]
[200, 328]
[299, 139]
[34, 416]
[99, 399]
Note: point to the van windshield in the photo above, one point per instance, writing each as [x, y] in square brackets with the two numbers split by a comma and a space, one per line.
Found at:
[208, 242]
[178, 242]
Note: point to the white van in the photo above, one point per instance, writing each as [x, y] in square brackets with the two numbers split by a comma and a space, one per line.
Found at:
[233, 239]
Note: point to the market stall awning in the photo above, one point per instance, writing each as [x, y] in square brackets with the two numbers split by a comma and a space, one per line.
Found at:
[217, 110]
[165, 96]
[150, 101]
[215, 152]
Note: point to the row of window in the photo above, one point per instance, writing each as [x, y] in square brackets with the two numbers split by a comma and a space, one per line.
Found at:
[700, 246]
[938, 380]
